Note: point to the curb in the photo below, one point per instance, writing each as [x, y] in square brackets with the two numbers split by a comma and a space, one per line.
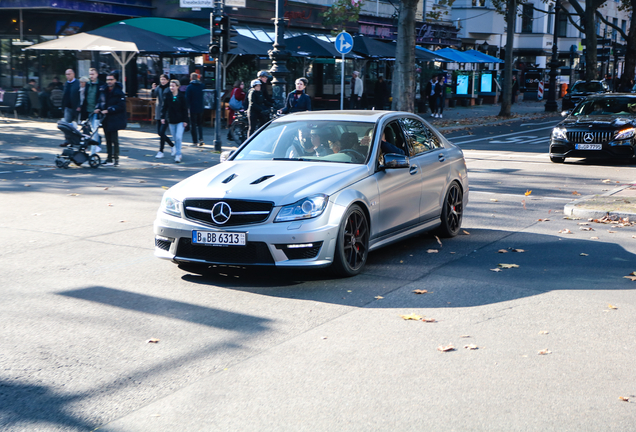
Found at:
[597, 206]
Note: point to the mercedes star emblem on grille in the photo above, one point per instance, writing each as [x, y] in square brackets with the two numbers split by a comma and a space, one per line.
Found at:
[588, 137]
[221, 212]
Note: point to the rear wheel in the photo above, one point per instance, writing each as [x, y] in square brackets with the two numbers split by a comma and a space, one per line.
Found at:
[94, 161]
[59, 162]
[352, 244]
[556, 159]
[238, 132]
[452, 211]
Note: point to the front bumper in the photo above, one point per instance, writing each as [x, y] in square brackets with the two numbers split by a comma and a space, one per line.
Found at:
[308, 243]
[614, 149]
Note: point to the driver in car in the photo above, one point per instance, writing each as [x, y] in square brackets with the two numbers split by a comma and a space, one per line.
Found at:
[310, 145]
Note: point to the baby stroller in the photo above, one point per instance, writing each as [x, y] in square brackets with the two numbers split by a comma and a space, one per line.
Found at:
[78, 140]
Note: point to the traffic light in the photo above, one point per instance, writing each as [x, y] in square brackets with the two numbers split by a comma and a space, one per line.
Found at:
[216, 34]
[228, 33]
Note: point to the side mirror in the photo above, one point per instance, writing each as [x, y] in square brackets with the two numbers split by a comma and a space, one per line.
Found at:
[226, 155]
[393, 160]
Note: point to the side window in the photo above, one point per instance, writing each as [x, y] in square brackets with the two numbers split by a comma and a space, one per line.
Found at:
[421, 138]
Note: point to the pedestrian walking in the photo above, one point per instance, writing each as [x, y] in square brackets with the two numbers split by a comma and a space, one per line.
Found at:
[92, 89]
[256, 107]
[112, 104]
[298, 100]
[381, 94]
[356, 91]
[194, 97]
[440, 95]
[160, 92]
[175, 114]
[71, 97]
[237, 96]
[83, 112]
[515, 89]
[429, 91]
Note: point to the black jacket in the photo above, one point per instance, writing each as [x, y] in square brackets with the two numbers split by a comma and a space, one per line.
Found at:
[294, 104]
[267, 97]
[175, 109]
[256, 104]
[71, 98]
[194, 96]
[115, 102]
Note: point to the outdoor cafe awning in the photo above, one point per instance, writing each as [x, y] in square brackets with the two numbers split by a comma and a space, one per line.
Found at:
[484, 57]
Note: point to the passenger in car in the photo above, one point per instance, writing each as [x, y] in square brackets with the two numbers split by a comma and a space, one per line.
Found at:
[388, 147]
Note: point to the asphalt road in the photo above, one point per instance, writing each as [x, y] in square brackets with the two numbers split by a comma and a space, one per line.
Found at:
[256, 349]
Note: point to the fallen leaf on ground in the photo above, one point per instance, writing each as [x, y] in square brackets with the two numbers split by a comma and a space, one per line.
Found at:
[584, 254]
[611, 232]
[438, 241]
[593, 238]
[432, 251]
[624, 398]
[27, 185]
[465, 232]
[518, 250]
[411, 317]
[498, 270]
[524, 204]
[428, 320]
[508, 266]
[575, 193]
[494, 200]
[153, 340]
[583, 223]
[446, 348]
[571, 218]
[606, 181]
[122, 221]
[545, 351]
[464, 336]
[609, 306]
[165, 187]
[544, 332]
[565, 231]
[419, 291]
[502, 251]
[379, 297]
[542, 220]
[142, 181]
[586, 228]
[528, 192]
[471, 347]
[74, 194]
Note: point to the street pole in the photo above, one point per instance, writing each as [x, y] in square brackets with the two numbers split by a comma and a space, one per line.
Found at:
[218, 10]
[342, 91]
[279, 55]
[551, 105]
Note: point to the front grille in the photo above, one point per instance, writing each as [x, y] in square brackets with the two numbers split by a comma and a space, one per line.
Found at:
[242, 212]
[597, 137]
[252, 253]
[163, 244]
[301, 253]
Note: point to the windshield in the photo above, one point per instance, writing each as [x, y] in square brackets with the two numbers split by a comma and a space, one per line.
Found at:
[625, 106]
[587, 87]
[315, 141]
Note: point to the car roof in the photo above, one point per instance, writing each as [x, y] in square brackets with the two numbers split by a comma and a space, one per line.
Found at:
[611, 95]
[370, 116]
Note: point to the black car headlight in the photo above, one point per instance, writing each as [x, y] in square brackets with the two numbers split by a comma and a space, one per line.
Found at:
[306, 208]
[625, 134]
[559, 133]
[171, 206]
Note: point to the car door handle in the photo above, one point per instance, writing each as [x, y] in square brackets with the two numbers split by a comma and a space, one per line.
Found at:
[441, 157]
[413, 169]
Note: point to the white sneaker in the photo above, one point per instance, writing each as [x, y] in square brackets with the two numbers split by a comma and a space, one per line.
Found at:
[433, 115]
[173, 152]
[159, 155]
[436, 115]
[177, 159]
[440, 116]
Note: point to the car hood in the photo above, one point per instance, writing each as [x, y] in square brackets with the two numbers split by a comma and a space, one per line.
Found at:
[599, 121]
[281, 182]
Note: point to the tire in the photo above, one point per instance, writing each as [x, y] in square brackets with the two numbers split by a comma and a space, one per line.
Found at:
[238, 132]
[94, 161]
[557, 159]
[59, 162]
[352, 244]
[452, 211]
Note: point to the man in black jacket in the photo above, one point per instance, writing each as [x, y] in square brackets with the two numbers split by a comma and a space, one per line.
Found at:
[194, 96]
[71, 99]
[264, 76]
[112, 103]
[256, 107]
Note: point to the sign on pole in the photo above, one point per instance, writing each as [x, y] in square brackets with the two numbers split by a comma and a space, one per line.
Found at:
[344, 45]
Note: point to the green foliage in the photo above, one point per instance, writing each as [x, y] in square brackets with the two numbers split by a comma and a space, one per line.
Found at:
[340, 13]
[439, 10]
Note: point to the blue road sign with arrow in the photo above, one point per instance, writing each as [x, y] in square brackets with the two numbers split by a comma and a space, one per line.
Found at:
[344, 43]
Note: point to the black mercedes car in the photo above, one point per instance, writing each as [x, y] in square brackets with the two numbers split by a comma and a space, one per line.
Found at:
[582, 89]
[602, 126]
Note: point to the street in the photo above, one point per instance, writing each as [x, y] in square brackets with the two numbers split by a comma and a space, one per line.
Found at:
[98, 333]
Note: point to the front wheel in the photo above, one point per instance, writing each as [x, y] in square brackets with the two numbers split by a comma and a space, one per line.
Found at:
[94, 161]
[556, 159]
[352, 244]
[452, 211]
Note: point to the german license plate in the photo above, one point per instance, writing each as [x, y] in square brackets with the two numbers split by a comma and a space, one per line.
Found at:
[589, 146]
[219, 238]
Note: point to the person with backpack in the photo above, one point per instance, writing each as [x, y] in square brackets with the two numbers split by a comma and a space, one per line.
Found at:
[194, 96]
[175, 114]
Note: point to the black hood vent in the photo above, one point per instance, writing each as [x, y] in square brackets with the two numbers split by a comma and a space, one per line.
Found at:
[230, 178]
[262, 179]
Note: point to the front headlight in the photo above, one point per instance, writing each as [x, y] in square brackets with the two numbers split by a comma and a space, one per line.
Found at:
[625, 134]
[171, 206]
[306, 208]
[559, 133]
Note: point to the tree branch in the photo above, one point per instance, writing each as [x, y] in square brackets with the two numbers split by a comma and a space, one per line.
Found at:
[570, 15]
[620, 30]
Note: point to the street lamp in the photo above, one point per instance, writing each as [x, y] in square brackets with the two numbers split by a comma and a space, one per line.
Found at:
[279, 55]
[551, 104]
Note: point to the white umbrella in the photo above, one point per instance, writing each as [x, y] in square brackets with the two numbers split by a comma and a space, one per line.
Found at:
[123, 52]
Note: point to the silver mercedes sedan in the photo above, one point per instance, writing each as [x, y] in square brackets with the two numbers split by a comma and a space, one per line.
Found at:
[316, 189]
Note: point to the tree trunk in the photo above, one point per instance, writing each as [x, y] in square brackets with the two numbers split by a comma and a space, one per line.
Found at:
[591, 70]
[403, 86]
[630, 51]
[506, 91]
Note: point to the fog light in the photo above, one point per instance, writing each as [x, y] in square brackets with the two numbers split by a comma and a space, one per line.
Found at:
[298, 246]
